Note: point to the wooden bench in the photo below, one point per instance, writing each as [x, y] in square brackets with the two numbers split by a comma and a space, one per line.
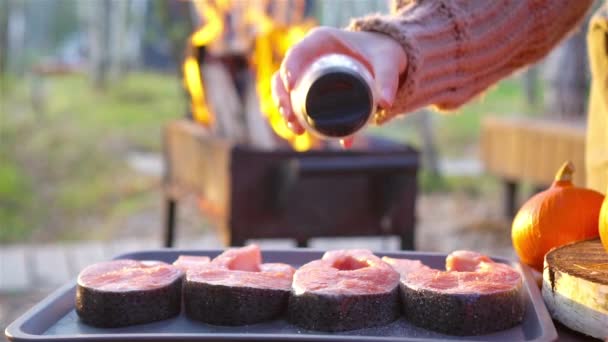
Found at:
[520, 149]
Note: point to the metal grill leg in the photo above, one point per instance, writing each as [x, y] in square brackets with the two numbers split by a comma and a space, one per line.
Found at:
[170, 211]
[407, 241]
[510, 198]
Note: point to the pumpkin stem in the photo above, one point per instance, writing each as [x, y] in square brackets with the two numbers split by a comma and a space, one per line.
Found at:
[565, 172]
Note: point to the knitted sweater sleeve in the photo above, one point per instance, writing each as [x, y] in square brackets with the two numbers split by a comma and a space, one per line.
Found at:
[458, 48]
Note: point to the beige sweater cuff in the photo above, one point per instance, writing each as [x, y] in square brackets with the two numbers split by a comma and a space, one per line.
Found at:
[457, 49]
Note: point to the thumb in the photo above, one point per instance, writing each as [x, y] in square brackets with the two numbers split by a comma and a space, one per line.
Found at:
[388, 65]
[387, 81]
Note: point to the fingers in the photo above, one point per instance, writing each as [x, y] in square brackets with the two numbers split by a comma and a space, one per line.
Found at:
[283, 101]
[281, 98]
[318, 42]
[382, 55]
[295, 127]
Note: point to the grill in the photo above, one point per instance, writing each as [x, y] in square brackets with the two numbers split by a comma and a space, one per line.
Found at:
[253, 193]
[235, 155]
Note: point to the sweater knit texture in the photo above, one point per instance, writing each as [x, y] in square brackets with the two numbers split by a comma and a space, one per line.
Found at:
[458, 48]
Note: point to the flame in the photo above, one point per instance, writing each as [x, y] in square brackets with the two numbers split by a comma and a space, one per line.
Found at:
[272, 40]
[271, 44]
[194, 84]
[212, 12]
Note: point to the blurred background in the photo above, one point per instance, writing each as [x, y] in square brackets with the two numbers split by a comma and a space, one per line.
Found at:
[87, 88]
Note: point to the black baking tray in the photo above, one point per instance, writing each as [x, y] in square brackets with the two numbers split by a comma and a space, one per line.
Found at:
[54, 318]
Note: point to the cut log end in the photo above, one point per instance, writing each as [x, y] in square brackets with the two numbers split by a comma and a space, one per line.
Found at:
[575, 287]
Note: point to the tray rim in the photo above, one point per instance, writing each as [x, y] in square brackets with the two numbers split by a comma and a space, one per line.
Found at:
[14, 331]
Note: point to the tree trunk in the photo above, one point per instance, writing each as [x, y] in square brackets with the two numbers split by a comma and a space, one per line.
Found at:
[98, 20]
[530, 79]
[568, 78]
[176, 17]
[118, 43]
[136, 31]
[17, 38]
[5, 10]
[430, 159]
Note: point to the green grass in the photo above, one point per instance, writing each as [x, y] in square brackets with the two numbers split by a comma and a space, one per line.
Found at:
[15, 197]
[131, 109]
[457, 134]
[62, 161]
[456, 131]
[67, 154]
[476, 187]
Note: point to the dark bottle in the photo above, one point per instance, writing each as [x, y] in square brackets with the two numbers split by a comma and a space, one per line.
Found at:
[335, 97]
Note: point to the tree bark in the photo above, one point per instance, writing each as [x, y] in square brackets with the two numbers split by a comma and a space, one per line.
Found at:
[176, 17]
[98, 22]
[430, 159]
[530, 79]
[118, 44]
[136, 30]
[568, 78]
[5, 10]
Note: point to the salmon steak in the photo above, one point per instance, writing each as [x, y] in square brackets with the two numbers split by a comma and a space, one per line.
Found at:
[236, 288]
[473, 296]
[186, 262]
[344, 290]
[127, 292]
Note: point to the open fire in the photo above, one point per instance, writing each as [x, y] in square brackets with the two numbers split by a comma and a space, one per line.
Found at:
[263, 31]
[237, 148]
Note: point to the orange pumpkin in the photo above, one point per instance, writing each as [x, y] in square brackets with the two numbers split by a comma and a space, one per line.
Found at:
[604, 222]
[559, 215]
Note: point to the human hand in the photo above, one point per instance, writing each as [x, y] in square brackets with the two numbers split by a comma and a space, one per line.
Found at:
[383, 56]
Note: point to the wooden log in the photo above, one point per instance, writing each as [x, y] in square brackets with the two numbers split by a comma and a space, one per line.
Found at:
[259, 132]
[575, 287]
[224, 101]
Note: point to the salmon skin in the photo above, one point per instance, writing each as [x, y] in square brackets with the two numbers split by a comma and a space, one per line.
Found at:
[127, 292]
[473, 296]
[236, 288]
[344, 290]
